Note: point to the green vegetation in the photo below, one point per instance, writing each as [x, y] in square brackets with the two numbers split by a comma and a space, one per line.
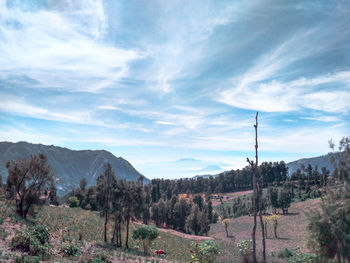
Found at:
[204, 252]
[146, 234]
[73, 201]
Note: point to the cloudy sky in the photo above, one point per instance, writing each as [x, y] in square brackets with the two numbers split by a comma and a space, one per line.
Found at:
[173, 86]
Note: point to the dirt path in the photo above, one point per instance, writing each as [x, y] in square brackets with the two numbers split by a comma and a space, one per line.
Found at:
[229, 196]
[183, 235]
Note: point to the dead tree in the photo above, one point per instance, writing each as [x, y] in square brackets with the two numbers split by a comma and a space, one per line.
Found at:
[257, 195]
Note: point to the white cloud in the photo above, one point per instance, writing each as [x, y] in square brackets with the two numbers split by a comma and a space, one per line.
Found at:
[260, 88]
[61, 46]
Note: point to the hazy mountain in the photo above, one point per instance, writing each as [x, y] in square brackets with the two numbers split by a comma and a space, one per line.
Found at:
[69, 166]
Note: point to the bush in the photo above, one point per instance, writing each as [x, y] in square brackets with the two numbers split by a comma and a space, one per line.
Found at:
[27, 259]
[73, 201]
[101, 258]
[26, 241]
[208, 250]
[70, 249]
[41, 233]
[245, 249]
[285, 253]
[146, 234]
[303, 258]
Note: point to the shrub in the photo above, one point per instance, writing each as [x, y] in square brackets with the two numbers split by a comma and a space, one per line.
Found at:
[101, 258]
[70, 249]
[26, 241]
[73, 201]
[303, 258]
[41, 233]
[27, 259]
[208, 250]
[147, 234]
[285, 253]
[245, 249]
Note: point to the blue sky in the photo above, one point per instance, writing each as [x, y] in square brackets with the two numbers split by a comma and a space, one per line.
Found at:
[173, 86]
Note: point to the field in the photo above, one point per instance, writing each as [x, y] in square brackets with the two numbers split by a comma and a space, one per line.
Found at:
[292, 233]
[67, 224]
[70, 224]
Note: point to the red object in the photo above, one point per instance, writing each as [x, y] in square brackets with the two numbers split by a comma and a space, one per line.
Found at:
[160, 252]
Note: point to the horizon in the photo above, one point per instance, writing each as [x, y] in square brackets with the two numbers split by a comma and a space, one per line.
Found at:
[173, 87]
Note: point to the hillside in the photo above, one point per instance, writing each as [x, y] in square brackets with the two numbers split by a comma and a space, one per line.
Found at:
[292, 232]
[320, 161]
[69, 166]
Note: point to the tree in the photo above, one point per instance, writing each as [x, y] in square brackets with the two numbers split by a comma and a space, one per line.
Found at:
[329, 226]
[73, 201]
[82, 184]
[192, 222]
[27, 180]
[257, 196]
[272, 193]
[226, 222]
[53, 194]
[146, 234]
[105, 184]
[284, 200]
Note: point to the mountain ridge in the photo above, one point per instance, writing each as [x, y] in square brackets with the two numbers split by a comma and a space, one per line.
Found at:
[70, 166]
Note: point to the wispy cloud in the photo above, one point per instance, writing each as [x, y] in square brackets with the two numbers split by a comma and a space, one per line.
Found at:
[157, 81]
[61, 46]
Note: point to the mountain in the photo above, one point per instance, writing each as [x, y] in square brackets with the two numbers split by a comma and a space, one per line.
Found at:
[69, 166]
[320, 161]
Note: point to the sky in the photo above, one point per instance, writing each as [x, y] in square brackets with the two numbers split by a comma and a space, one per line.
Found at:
[174, 86]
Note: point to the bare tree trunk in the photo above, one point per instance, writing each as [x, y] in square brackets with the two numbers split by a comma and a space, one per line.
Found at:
[255, 190]
[105, 229]
[261, 221]
[127, 232]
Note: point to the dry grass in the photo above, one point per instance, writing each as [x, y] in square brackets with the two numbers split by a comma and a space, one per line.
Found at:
[292, 231]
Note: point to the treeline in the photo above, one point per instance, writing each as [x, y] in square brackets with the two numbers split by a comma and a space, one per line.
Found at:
[307, 182]
[231, 181]
[124, 201]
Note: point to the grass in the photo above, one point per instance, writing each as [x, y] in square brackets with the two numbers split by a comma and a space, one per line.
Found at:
[67, 224]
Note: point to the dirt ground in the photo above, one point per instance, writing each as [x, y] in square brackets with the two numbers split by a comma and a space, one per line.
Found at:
[292, 229]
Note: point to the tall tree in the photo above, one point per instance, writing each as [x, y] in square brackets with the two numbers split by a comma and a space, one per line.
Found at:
[105, 184]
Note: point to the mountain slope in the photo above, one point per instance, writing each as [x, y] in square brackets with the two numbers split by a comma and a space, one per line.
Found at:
[70, 166]
[320, 161]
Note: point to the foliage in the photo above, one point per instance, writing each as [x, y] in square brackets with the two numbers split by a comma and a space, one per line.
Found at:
[204, 252]
[27, 180]
[147, 234]
[285, 253]
[226, 223]
[73, 201]
[70, 249]
[245, 249]
[41, 233]
[303, 258]
[274, 221]
[27, 259]
[329, 227]
[32, 241]
[208, 250]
